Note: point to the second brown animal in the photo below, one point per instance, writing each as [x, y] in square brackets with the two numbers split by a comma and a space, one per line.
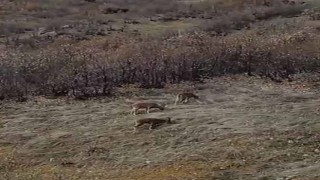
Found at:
[153, 122]
[145, 105]
[184, 97]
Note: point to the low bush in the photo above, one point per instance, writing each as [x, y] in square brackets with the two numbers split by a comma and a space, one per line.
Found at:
[92, 68]
[96, 69]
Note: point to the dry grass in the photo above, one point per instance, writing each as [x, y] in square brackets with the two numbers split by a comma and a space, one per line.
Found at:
[160, 28]
[247, 129]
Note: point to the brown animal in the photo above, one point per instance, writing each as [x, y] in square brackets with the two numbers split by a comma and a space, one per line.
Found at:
[293, 2]
[184, 97]
[135, 100]
[152, 121]
[145, 105]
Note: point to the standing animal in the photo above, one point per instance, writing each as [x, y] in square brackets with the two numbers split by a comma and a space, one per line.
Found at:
[184, 97]
[145, 105]
[153, 122]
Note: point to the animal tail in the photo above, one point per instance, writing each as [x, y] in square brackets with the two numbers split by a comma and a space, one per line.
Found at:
[177, 99]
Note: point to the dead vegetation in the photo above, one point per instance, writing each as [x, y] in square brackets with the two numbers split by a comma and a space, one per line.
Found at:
[98, 68]
[67, 58]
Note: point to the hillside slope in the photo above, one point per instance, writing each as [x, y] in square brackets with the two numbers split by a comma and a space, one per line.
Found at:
[247, 129]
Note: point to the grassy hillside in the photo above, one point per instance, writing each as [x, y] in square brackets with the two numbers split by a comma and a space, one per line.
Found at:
[67, 68]
[246, 129]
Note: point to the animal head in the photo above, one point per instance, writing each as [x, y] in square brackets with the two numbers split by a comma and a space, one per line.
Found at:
[162, 106]
[168, 119]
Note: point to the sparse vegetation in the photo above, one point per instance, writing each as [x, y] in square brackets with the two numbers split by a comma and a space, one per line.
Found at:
[95, 67]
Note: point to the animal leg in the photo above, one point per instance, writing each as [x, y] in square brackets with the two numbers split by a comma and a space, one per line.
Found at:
[135, 111]
[186, 100]
[152, 126]
[131, 111]
[136, 126]
[148, 110]
[177, 100]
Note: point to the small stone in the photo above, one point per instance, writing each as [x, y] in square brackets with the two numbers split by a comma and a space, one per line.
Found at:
[317, 151]
[290, 141]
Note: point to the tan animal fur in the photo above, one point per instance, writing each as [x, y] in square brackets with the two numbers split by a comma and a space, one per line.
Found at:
[135, 100]
[153, 122]
[145, 105]
[184, 97]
